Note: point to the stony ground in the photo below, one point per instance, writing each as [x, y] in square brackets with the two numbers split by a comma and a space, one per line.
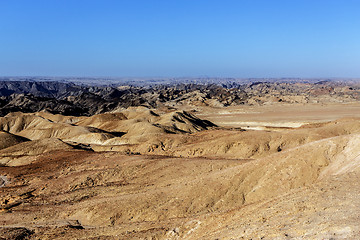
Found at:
[197, 182]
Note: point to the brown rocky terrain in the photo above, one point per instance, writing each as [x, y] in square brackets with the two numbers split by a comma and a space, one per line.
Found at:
[264, 169]
[86, 100]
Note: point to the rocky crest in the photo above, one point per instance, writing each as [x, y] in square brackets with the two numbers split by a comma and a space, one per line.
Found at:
[71, 99]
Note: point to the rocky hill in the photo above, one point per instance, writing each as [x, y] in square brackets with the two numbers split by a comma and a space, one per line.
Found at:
[71, 99]
[127, 162]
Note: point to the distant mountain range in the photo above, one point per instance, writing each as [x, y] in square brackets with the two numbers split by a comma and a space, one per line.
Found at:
[73, 99]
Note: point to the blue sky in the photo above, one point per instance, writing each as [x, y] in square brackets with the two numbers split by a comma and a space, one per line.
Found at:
[180, 38]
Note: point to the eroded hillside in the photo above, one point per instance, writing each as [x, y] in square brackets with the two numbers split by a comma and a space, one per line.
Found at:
[167, 173]
[84, 100]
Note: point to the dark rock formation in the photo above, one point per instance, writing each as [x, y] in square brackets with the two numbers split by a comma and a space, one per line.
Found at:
[71, 99]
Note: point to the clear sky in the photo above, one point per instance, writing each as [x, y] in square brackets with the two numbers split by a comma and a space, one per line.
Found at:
[180, 38]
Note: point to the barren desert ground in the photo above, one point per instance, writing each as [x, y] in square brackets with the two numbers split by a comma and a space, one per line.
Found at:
[272, 170]
[280, 115]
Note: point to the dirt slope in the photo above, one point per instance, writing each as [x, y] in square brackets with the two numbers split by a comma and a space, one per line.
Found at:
[8, 140]
[171, 175]
[35, 127]
[120, 192]
[26, 152]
